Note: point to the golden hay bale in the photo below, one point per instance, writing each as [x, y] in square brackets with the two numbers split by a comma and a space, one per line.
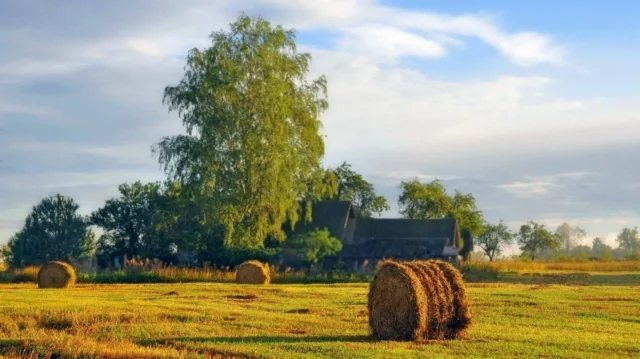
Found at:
[253, 272]
[56, 275]
[397, 304]
[446, 295]
[435, 300]
[462, 314]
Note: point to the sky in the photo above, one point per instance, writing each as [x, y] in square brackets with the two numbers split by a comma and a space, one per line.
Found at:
[532, 106]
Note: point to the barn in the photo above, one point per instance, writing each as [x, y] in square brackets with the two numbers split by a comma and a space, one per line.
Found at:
[369, 240]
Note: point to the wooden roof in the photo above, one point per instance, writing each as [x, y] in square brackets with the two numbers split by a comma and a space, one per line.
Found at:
[332, 215]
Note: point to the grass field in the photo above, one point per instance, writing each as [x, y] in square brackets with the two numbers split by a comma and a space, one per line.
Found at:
[222, 320]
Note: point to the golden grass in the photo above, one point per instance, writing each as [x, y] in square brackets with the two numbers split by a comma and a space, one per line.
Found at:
[585, 266]
[215, 320]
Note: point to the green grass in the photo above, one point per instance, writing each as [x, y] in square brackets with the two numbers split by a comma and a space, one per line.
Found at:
[204, 320]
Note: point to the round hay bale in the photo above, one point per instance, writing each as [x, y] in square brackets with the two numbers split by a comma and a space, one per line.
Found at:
[56, 275]
[253, 272]
[397, 304]
[446, 297]
[462, 313]
[432, 302]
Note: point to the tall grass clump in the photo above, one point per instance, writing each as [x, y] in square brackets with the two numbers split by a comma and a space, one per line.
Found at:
[19, 275]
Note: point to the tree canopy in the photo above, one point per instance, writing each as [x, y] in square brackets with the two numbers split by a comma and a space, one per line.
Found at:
[351, 186]
[252, 119]
[569, 237]
[629, 242]
[128, 220]
[430, 201]
[494, 238]
[52, 231]
[534, 238]
[314, 246]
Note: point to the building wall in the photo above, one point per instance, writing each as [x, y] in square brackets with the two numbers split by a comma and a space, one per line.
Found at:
[349, 231]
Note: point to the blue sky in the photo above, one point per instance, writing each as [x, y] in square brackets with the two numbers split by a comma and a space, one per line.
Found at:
[530, 105]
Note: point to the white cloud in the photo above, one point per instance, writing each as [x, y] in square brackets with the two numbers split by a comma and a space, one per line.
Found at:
[535, 186]
[526, 189]
[9, 108]
[527, 48]
[522, 48]
[387, 44]
[55, 181]
[145, 47]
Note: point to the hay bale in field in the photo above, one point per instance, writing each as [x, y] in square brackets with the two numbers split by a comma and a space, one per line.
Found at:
[56, 275]
[443, 288]
[253, 272]
[436, 302]
[397, 304]
[462, 314]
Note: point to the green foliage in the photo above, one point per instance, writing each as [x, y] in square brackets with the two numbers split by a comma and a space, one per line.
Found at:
[430, 201]
[252, 118]
[314, 246]
[424, 200]
[52, 231]
[534, 238]
[128, 220]
[629, 242]
[569, 237]
[354, 188]
[494, 237]
[580, 252]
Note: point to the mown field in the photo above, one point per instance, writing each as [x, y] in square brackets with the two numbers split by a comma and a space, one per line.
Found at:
[220, 320]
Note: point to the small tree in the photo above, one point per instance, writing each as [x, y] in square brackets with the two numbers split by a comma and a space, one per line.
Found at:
[581, 252]
[494, 238]
[314, 246]
[534, 238]
[601, 250]
[52, 231]
[629, 242]
[569, 237]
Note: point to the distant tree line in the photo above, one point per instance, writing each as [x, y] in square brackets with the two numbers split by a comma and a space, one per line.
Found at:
[537, 242]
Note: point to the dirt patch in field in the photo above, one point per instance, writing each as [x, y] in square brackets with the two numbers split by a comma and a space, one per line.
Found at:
[173, 292]
[300, 311]
[297, 331]
[56, 323]
[540, 287]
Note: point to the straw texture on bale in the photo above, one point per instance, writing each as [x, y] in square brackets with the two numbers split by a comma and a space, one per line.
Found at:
[439, 304]
[432, 299]
[443, 286]
[397, 304]
[253, 272]
[462, 314]
[56, 275]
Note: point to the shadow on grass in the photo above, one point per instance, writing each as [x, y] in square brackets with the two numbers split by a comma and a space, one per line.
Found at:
[259, 339]
[10, 343]
[560, 278]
